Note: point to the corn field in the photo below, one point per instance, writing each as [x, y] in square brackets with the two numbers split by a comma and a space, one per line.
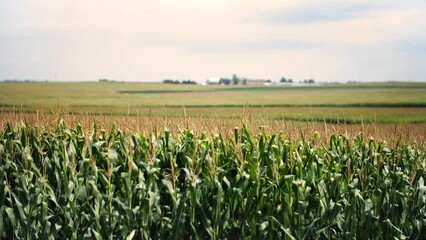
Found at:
[75, 183]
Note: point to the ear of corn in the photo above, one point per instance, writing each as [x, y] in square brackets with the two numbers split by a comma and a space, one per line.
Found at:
[67, 184]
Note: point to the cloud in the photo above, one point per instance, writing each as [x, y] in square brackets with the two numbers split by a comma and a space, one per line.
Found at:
[319, 13]
[334, 11]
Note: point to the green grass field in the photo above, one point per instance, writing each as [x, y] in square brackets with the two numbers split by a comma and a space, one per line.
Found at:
[353, 103]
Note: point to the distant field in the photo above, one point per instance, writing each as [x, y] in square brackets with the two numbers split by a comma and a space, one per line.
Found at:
[157, 94]
[350, 103]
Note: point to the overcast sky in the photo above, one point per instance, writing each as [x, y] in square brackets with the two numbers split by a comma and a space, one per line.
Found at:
[151, 40]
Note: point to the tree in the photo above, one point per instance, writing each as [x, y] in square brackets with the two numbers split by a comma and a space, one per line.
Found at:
[170, 81]
[283, 80]
[235, 79]
[189, 81]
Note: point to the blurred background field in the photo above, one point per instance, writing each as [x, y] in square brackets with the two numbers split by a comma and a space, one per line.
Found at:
[383, 110]
[104, 94]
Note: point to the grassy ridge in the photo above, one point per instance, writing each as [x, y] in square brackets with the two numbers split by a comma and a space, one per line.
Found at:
[80, 183]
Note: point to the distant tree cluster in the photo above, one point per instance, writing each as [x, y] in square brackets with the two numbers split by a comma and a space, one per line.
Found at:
[106, 80]
[170, 81]
[21, 80]
[285, 80]
[289, 80]
[310, 81]
[189, 82]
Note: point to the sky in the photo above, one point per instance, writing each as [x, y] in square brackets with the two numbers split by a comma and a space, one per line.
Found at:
[152, 40]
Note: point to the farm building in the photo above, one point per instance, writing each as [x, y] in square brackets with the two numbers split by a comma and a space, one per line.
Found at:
[212, 81]
[254, 82]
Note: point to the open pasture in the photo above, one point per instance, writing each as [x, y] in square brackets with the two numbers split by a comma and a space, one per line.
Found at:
[157, 94]
[353, 103]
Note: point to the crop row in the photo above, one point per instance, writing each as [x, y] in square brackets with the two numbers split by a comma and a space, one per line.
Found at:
[69, 183]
